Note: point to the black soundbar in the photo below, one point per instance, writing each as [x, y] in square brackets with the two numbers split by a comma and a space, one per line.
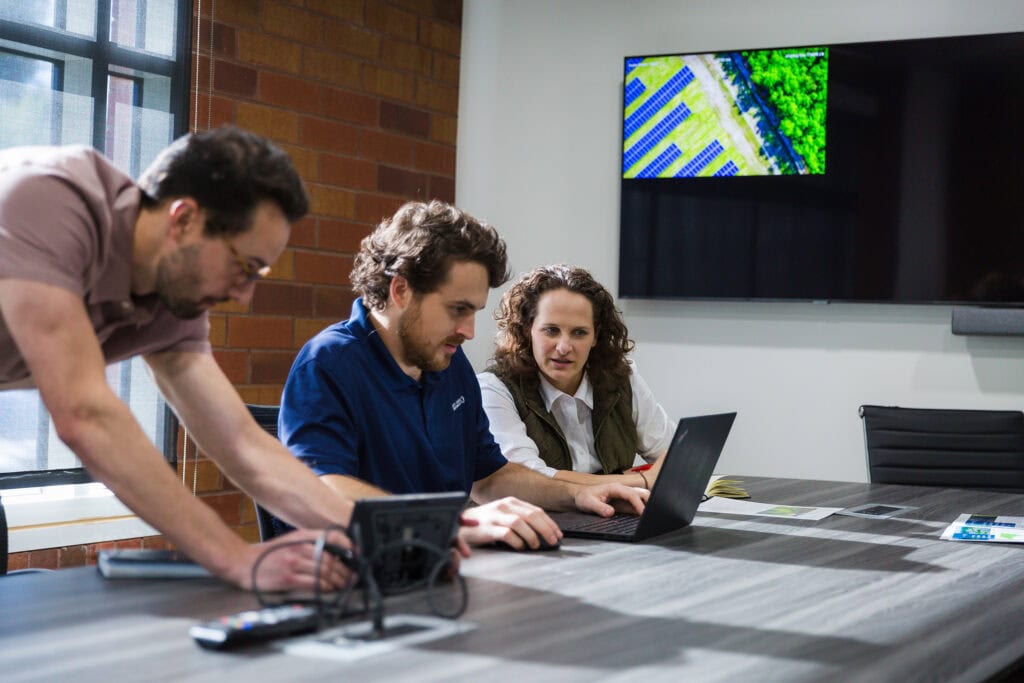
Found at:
[986, 320]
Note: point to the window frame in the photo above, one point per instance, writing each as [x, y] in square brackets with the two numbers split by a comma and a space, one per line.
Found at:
[166, 429]
[103, 55]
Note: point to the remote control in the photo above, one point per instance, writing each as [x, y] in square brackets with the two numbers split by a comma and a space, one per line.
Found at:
[255, 625]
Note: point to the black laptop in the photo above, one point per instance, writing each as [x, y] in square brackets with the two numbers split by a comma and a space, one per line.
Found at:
[678, 491]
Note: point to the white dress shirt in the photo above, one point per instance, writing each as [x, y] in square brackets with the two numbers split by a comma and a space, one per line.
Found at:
[573, 414]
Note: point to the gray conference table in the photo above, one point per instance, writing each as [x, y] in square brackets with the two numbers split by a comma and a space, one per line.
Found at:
[729, 598]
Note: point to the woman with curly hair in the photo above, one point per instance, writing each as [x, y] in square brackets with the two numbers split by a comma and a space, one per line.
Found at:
[560, 393]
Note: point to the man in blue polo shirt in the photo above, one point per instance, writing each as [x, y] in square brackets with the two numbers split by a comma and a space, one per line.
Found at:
[387, 402]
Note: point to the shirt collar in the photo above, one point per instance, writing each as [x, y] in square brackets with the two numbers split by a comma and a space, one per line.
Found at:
[115, 281]
[361, 325]
[112, 294]
[550, 394]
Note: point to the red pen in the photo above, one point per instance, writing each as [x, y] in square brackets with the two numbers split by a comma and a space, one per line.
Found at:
[641, 468]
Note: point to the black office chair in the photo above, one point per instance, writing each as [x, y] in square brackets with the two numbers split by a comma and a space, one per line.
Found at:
[4, 547]
[266, 417]
[3, 539]
[974, 449]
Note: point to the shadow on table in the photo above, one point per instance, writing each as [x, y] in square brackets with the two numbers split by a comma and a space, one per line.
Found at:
[793, 549]
[577, 633]
[786, 547]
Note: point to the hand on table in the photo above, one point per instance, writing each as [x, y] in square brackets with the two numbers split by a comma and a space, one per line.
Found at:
[288, 564]
[517, 523]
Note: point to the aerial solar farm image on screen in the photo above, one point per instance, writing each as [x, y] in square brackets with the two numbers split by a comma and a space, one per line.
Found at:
[752, 113]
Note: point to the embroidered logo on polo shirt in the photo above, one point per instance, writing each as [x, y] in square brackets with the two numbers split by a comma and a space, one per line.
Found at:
[458, 403]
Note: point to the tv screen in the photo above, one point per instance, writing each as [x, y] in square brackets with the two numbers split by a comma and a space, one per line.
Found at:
[758, 112]
[876, 172]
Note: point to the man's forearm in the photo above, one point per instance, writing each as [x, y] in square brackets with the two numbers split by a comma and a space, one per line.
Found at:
[352, 488]
[117, 452]
[280, 482]
[587, 479]
[515, 480]
[54, 334]
[258, 463]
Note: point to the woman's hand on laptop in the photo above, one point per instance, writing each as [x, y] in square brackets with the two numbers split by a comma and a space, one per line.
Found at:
[654, 470]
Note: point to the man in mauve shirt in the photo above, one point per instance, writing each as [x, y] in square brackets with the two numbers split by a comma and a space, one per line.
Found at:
[95, 268]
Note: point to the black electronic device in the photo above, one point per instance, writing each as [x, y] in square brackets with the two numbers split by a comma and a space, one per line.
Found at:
[148, 564]
[676, 494]
[872, 172]
[405, 540]
[257, 625]
[400, 543]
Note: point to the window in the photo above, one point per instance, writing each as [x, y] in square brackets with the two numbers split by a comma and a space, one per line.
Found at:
[112, 74]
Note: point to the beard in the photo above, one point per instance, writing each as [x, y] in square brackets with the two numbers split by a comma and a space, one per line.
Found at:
[177, 283]
[418, 351]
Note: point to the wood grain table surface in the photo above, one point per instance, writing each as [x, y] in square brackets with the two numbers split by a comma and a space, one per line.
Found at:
[728, 598]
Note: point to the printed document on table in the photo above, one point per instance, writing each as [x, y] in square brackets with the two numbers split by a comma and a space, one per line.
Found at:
[986, 528]
[746, 507]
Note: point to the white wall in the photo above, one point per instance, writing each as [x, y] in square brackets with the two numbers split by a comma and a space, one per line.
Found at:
[538, 156]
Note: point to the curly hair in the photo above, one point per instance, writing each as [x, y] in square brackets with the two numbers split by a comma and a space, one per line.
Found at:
[420, 242]
[228, 171]
[513, 353]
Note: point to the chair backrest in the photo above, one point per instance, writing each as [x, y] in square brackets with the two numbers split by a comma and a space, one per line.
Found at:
[3, 539]
[266, 417]
[975, 449]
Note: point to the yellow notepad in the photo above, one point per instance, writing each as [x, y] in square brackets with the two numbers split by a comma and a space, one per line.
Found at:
[726, 488]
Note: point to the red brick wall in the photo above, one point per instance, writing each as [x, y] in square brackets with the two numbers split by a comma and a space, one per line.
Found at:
[363, 94]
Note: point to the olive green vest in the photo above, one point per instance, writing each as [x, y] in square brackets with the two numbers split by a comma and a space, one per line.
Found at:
[615, 437]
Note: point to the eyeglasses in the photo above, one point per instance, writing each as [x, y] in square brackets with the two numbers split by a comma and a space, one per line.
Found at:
[250, 271]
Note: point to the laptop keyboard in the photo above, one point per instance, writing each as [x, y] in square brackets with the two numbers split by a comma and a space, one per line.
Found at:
[617, 524]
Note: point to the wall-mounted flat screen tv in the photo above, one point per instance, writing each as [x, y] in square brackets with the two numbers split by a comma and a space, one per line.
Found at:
[876, 172]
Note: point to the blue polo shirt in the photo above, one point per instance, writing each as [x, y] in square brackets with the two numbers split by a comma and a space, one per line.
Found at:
[348, 409]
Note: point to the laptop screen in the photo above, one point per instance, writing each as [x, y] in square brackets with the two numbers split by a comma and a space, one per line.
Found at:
[684, 476]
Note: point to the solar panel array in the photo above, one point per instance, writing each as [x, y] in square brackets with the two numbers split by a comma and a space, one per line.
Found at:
[699, 162]
[654, 136]
[634, 89]
[659, 99]
[631, 64]
[729, 168]
[663, 161]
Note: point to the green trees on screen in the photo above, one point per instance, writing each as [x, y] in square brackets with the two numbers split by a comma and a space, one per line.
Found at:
[797, 88]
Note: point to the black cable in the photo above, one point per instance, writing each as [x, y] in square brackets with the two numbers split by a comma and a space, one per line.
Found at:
[318, 554]
[333, 611]
[374, 601]
[349, 559]
[431, 578]
[262, 556]
[463, 591]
